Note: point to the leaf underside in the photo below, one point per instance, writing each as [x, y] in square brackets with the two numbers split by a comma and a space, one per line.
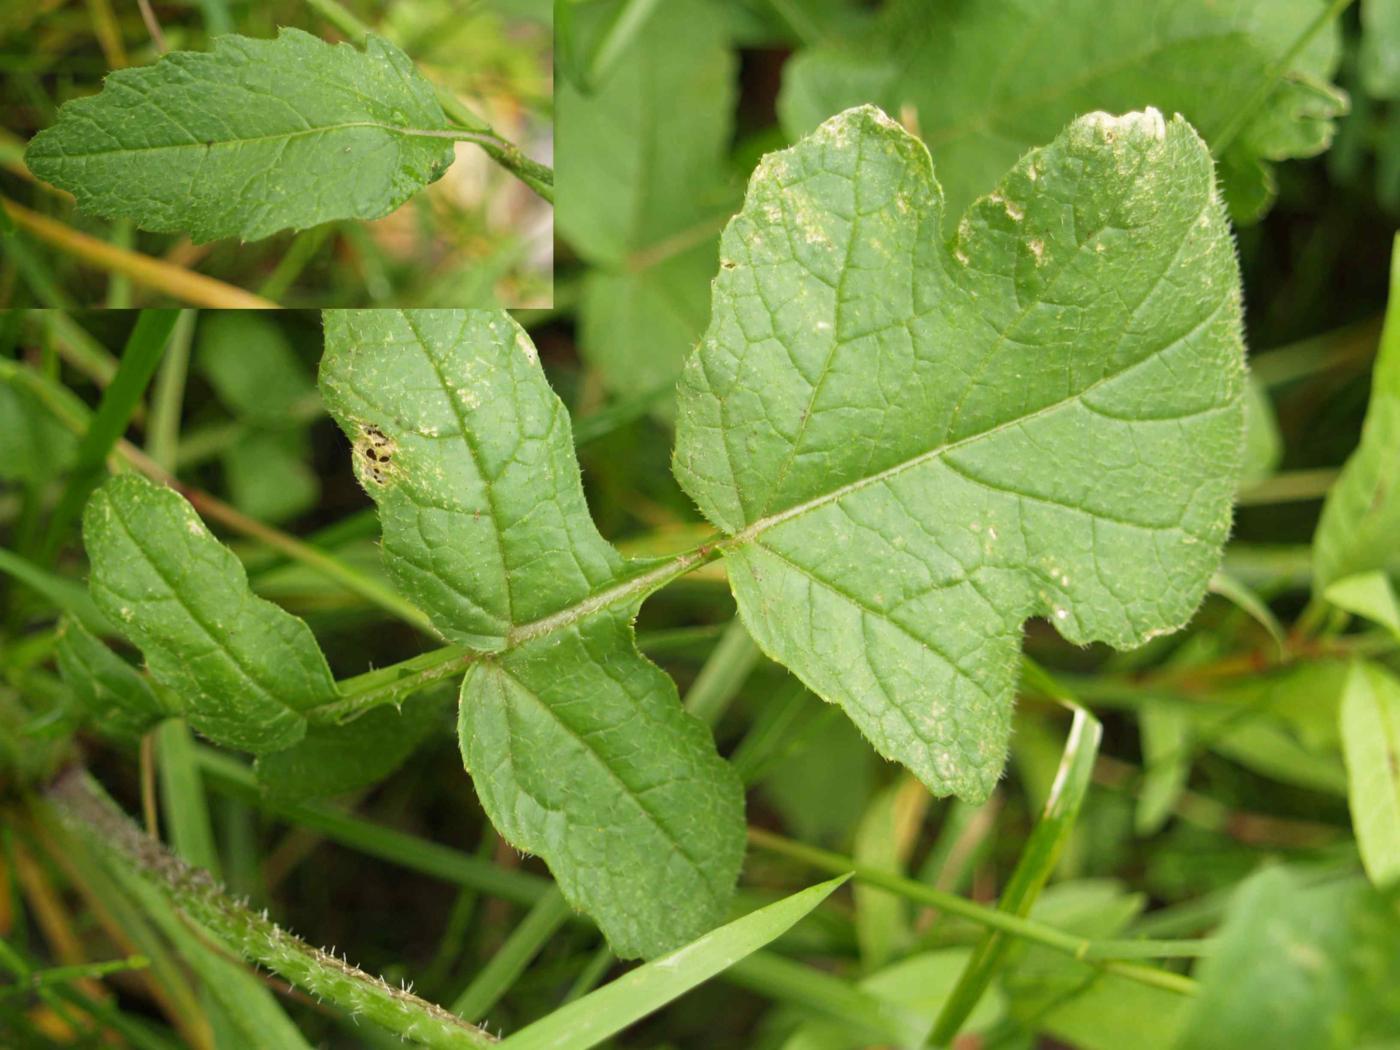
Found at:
[578, 746]
[250, 138]
[916, 444]
[243, 668]
[985, 82]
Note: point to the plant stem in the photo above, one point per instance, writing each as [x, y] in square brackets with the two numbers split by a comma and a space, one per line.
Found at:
[539, 177]
[1292, 486]
[391, 684]
[175, 281]
[722, 675]
[1081, 948]
[87, 811]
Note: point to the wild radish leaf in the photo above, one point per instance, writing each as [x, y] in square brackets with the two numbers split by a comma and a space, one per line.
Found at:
[914, 445]
[1371, 743]
[1360, 521]
[982, 83]
[107, 687]
[244, 668]
[1315, 967]
[647, 190]
[334, 759]
[253, 137]
[578, 746]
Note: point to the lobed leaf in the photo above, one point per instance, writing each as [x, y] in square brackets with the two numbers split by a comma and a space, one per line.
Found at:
[243, 668]
[578, 746]
[250, 138]
[985, 82]
[914, 445]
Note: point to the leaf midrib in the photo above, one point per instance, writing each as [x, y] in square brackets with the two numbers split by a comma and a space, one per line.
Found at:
[280, 136]
[198, 621]
[676, 839]
[767, 522]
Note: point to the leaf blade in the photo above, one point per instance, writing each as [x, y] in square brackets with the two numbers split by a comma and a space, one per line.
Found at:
[244, 668]
[590, 1020]
[1370, 726]
[191, 145]
[903, 608]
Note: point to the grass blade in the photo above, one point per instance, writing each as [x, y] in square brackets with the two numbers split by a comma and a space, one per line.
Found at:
[1033, 870]
[144, 348]
[588, 1021]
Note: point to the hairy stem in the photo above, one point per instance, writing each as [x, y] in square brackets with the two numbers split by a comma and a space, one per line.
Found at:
[86, 811]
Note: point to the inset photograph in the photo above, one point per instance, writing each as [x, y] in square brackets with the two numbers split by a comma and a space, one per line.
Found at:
[311, 154]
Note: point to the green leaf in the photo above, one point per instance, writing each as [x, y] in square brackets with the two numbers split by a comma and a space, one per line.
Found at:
[1370, 726]
[1166, 758]
[244, 668]
[595, 1017]
[1368, 594]
[884, 839]
[253, 137]
[914, 445]
[37, 446]
[334, 759]
[1361, 518]
[643, 204]
[578, 746]
[985, 82]
[1313, 968]
[1380, 47]
[111, 691]
[252, 366]
[268, 475]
